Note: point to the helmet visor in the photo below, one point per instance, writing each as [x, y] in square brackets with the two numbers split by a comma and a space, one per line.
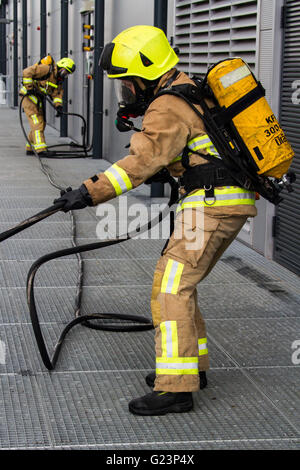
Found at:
[125, 92]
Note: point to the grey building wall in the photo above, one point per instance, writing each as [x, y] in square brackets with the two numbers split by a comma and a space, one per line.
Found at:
[269, 72]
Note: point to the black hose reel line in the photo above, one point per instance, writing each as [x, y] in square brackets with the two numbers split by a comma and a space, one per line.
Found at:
[139, 323]
[136, 323]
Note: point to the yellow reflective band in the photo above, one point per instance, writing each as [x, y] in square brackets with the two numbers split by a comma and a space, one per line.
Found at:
[37, 137]
[177, 366]
[27, 80]
[43, 90]
[33, 99]
[200, 143]
[35, 119]
[40, 146]
[169, 339]
[119, 179]
[176, 159]
[202, 346]
[172, 276]
[57, 100]
[227, 196]
[23, 90]
[203, 143]
[52, 84]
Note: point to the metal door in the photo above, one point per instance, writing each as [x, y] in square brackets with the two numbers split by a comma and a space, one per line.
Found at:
[287, 220]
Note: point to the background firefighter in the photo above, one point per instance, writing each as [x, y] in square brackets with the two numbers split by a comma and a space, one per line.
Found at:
[143, 63]
[39, 80]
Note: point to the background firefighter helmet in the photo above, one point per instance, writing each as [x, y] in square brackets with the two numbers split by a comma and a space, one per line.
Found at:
[140, 51]
[66, 64]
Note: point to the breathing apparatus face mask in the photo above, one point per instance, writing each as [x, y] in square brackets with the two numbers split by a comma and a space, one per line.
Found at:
[132, 99]
[62, 75]
[125, 92]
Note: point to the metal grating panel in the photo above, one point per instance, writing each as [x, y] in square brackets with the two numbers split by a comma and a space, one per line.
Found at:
[207, 31]
[287, 234]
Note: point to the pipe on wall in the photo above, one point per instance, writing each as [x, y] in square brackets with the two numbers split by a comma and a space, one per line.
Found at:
[98, 80]
[25, 37]
[3, 57]
[64, 36]
[15, 53]
[43, 20]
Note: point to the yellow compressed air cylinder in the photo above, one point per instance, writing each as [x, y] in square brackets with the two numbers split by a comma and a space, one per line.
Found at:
[231, 80]
[47, 60]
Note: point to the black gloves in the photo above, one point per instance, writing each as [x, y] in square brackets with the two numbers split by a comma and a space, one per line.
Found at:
[74, 199]
[59, 110]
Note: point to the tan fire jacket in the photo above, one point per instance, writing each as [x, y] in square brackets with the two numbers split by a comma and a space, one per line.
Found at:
[37, 76]
[168, 125]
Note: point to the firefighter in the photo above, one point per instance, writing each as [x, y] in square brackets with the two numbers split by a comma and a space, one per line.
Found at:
[142, 63]
[39, 80]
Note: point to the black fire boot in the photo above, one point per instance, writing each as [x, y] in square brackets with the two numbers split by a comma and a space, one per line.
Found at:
[161, 403]
[150, 378]
[29, 152]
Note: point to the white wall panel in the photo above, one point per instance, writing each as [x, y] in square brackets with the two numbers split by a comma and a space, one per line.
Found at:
[207, 31]
[119, 16]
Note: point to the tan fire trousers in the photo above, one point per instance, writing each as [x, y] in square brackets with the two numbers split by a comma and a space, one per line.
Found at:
[198, 241]
[34, 113]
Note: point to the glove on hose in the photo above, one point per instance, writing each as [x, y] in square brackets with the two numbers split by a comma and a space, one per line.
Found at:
[59, 110]
[75, 199]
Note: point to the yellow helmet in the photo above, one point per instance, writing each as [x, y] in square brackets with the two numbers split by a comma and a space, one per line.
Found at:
[139, 51]
[66, 63]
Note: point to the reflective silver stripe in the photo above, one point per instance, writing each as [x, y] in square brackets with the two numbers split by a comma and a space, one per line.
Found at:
[203, 143]
[39, 146]
[172, 276]
[235, 76]
[202, 346]
[119, 179]
[35, 118]
[221, 197]
[177, 365]
[52, 84]
[169, 339]
[200, 142]
[33, 99]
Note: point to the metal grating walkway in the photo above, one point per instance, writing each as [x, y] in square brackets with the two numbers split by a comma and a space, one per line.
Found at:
[251, 306]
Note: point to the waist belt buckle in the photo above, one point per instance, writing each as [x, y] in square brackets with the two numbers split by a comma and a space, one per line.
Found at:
[209, 193]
